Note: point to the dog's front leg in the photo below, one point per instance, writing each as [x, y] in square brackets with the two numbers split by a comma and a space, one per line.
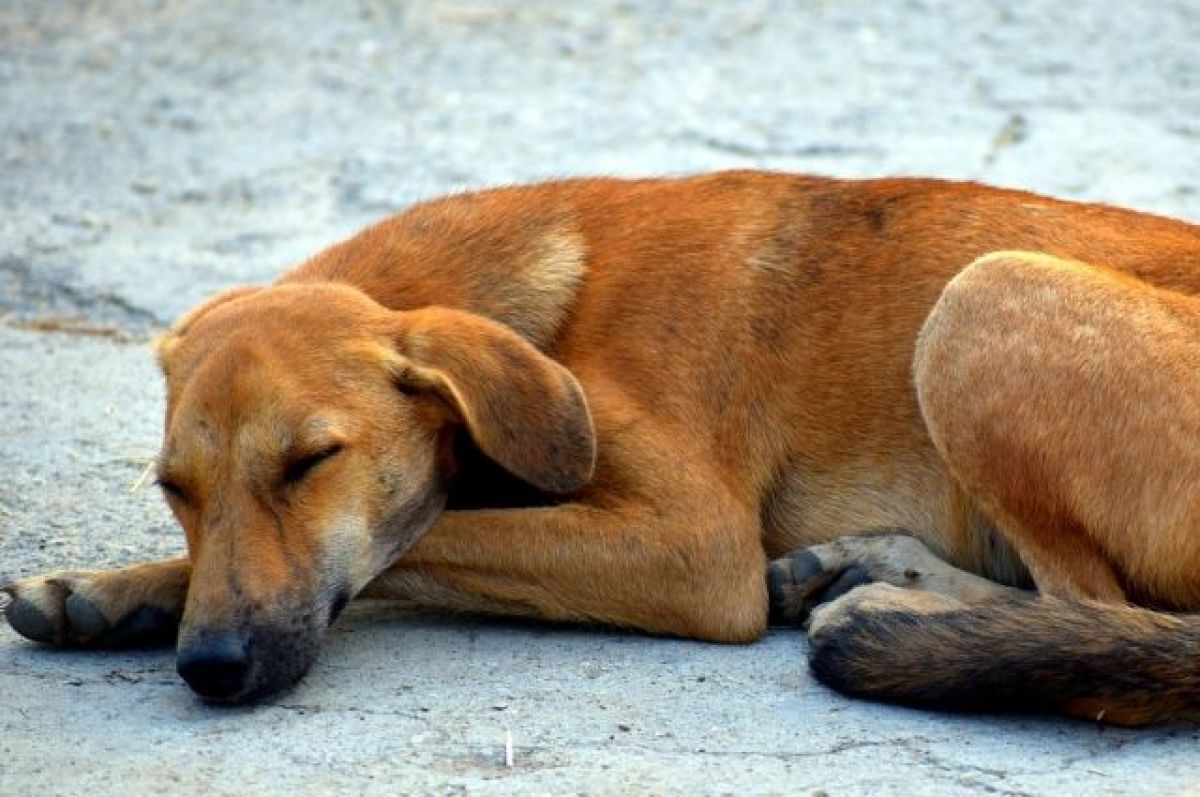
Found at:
[131, 606]
[683, 574]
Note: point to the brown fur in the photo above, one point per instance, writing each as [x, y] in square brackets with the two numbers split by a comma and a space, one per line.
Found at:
[688, 376]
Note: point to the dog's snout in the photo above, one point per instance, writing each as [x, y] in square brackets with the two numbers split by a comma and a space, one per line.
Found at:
[215, 664]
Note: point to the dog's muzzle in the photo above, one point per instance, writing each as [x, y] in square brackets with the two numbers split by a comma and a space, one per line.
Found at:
[240, 665]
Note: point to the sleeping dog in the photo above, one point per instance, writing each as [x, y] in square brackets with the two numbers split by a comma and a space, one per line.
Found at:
[906, 402]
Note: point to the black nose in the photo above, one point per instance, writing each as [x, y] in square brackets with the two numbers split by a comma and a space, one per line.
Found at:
[215, 664]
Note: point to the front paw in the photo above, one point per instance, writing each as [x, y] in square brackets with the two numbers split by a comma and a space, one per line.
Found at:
[76, 609]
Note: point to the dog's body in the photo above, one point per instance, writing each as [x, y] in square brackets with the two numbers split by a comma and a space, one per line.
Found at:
[632, 394]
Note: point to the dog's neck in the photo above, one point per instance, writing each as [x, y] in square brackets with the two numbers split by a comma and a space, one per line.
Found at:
[471, 252]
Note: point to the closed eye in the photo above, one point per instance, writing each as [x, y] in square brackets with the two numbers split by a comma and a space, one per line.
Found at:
[299, 468]
[170, 489]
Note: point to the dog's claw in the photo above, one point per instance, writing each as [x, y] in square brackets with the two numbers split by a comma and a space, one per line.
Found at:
[36, 609]
[798, 582]
[779, 578]
[805, 566]
[30, 621]
[85, 619]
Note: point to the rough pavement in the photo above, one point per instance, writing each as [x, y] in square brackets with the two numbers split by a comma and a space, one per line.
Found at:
[153, 152]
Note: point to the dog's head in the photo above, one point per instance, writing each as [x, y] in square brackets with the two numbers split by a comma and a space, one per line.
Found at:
[306, 448]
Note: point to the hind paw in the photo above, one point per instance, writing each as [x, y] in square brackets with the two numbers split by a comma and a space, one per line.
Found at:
[807, 578]
[801, 581]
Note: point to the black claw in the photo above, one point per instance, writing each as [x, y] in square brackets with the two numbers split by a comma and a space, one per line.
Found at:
[849, 579]
[805, 567]
[85, 619]
[778, 579]
[781, 600]
[30, 621]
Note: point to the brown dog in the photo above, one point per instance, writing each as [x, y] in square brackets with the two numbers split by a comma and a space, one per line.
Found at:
[613, 401]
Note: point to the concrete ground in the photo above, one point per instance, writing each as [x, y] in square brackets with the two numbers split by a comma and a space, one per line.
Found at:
[155, 151]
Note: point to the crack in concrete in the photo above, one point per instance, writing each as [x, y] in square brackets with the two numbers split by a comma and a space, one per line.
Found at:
[969, 775]
[313, 708]
[50, 303]
[774, 150]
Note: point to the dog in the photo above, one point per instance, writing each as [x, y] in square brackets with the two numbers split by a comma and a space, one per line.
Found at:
[951, 429]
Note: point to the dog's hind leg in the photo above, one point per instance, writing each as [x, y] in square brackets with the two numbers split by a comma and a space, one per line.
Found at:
[129, 607]
[1061, 395]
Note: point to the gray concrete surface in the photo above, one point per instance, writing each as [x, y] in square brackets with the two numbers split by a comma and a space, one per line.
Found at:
[152, 152]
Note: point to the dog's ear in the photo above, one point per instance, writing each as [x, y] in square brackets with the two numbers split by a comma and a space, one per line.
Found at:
[166, 343]
[523, 409]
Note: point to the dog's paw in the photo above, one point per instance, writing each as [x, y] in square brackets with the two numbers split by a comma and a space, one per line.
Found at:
[807, 578]
[79, 609]
[800, 581]
[40, 608]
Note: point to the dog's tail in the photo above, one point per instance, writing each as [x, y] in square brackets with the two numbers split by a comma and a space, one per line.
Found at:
[1111, 663]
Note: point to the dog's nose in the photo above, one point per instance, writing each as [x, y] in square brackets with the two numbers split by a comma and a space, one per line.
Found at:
[215, 664]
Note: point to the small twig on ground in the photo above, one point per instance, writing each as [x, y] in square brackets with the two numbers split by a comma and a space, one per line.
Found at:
[71, 326]
[141, 480]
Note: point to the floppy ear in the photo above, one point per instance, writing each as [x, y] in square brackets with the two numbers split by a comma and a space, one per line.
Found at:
[165, 344]
[523, 409]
